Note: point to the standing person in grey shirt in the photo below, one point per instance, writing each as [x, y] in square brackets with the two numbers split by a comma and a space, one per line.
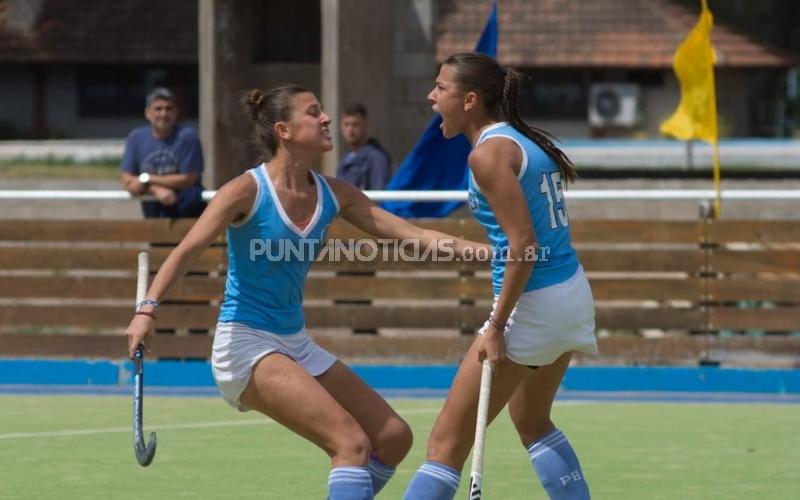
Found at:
[367, 164]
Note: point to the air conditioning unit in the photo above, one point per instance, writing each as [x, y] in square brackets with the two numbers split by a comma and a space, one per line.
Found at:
[613, 104]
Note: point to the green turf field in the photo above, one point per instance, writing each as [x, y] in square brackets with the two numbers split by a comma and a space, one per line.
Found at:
[206, 450]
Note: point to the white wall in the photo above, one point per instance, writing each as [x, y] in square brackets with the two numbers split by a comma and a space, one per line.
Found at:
[658, 103]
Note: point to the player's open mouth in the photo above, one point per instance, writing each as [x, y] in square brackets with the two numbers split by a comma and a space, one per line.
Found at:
[326, 133]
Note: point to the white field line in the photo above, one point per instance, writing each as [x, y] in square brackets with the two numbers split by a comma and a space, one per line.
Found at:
[199, 425]
[111, 430]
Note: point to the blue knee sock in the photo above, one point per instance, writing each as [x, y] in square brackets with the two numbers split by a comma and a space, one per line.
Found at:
[558, 468]
[349, 483]
[380, 472]
[433, 481]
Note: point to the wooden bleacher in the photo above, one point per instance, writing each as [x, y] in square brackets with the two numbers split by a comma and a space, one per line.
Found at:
[67, 287]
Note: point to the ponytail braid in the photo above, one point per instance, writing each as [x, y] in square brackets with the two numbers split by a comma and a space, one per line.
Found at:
[543, 139]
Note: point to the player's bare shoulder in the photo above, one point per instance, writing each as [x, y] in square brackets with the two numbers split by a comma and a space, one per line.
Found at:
[493, 158]
[238, 195]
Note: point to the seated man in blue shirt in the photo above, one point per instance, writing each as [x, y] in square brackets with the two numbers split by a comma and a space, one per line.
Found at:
[164, 160]
[367, 164]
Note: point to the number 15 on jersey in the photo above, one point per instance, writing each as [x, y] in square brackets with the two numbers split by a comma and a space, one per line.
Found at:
[551, 187]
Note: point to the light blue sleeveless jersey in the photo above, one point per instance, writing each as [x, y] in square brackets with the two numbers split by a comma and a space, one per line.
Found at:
[269, 258]
[541, 183]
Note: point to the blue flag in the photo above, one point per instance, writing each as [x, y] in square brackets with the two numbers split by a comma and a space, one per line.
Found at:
[437, 163]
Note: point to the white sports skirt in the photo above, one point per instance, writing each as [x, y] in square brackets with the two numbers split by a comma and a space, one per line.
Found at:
[238, 347]
[550, 321]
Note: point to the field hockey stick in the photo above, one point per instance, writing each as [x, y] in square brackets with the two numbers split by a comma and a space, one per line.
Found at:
[144, 454]
[476, 473]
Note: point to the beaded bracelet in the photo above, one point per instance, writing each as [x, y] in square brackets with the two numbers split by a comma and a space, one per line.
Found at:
[496, 323]
[148, 302]
[145, 313]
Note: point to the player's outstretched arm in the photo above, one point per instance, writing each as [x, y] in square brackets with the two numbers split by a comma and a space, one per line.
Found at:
[366, 215]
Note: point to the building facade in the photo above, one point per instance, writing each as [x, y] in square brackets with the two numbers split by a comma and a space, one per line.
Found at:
[594, 68]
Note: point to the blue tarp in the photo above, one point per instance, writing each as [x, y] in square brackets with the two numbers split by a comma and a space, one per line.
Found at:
[437, 163]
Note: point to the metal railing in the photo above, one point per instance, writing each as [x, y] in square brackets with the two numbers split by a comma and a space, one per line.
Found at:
[436, 196]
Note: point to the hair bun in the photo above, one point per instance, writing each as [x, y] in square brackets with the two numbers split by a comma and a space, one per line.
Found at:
[253, 101]
[255, 98]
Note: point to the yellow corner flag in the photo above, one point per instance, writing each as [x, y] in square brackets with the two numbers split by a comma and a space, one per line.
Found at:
[696, 116]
